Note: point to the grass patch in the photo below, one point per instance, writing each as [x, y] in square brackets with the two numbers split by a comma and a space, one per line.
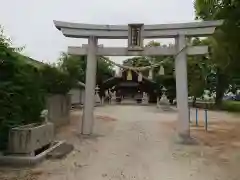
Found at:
[231, 106]
[204, 105]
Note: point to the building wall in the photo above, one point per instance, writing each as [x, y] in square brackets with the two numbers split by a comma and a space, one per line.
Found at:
[58, 107]
[77, 96]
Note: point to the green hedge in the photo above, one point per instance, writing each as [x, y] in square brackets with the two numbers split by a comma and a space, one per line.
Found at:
[23, 89]
[21, 96]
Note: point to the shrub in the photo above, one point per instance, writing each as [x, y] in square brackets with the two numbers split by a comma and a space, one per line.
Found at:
[55, 81]
[21, 96]
[23, 88]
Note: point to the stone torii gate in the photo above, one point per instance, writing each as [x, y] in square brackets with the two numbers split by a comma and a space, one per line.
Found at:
[135, 33]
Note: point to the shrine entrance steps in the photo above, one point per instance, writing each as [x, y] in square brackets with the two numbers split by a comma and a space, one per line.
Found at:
[130, 101]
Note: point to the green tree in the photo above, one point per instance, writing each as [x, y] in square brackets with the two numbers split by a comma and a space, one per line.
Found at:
[225, 44]
[75, 66]
[104, 70]
[196, 79]
[55, 80]
[199, 68]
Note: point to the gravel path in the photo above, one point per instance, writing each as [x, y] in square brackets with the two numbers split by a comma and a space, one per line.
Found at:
[131, 143]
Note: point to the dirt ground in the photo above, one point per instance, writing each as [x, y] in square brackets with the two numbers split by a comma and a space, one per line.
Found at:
[138, 143]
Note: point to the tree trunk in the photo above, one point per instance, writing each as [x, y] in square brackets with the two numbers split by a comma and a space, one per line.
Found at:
[220, 87]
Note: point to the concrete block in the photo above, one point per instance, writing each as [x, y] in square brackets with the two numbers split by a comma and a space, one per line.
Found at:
[58, 107]
[27, 161]
[29, 138]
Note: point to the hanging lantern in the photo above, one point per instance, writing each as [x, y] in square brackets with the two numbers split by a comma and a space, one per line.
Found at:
[150, 74]
[140, 77]
[129, 75]
[161, 71]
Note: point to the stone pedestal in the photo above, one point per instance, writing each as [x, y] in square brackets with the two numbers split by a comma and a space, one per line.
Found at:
[25, 140]
[97, 99]
[114, 96]
[164, 100]
[145, 98]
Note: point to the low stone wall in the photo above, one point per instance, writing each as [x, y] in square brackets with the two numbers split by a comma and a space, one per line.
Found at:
[77, 96]
[58, 107]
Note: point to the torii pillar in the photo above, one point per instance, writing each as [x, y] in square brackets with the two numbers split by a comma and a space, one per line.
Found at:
[182, 87]
[89, 102]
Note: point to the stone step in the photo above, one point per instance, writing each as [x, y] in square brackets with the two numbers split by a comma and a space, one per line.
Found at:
[61, 151]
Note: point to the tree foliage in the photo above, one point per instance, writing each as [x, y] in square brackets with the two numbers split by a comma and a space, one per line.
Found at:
[21, 98]
[225, 44]
[104, 70]
[55, 81]
[167, 80]
[200, 70]
[24, 87]
[76, 66]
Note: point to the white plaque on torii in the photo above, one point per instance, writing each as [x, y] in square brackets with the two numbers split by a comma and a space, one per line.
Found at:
[135, 37]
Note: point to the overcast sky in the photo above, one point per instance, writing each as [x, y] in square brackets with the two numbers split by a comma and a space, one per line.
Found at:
[30, 22]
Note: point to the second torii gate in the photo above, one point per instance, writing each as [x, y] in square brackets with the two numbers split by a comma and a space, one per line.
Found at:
[136, 33]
